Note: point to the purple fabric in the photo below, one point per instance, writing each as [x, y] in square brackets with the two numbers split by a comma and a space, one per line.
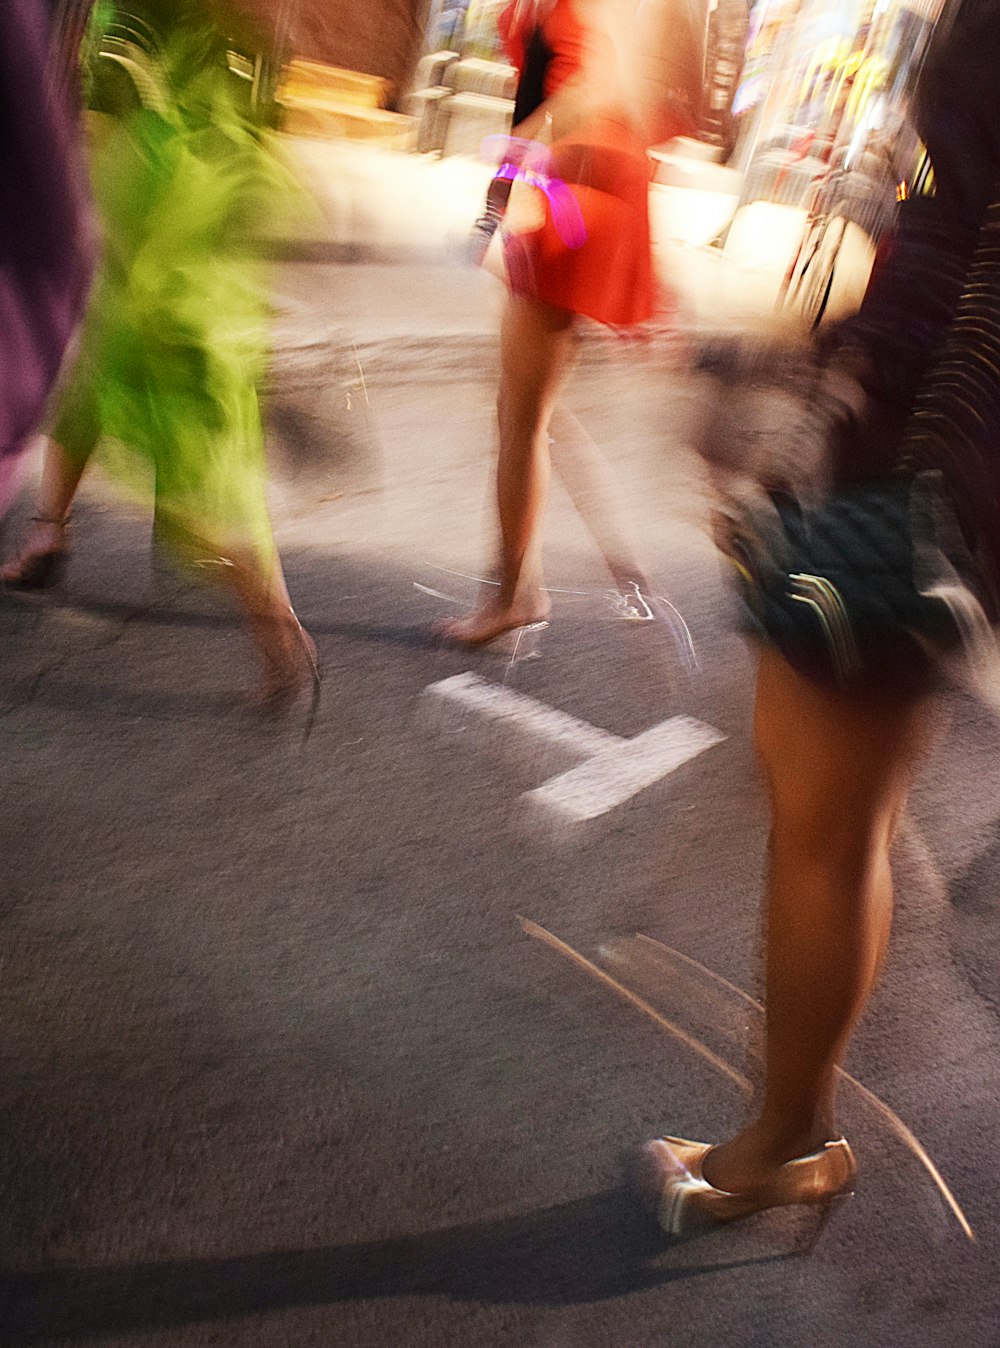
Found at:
[44, 250]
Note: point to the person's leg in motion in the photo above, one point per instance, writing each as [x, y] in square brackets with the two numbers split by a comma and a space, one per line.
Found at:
[40, 561]
[245, 564]
[838, 767]
[289, 662]
[535, 345]
[596, 495]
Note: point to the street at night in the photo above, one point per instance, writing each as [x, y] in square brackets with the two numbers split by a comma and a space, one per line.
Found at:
[348, 1039]
[500, 695]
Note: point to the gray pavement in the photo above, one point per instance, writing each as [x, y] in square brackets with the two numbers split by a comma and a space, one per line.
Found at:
[282, 1064]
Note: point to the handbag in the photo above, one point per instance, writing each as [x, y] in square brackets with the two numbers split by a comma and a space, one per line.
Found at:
[873, 579]
[887, 574]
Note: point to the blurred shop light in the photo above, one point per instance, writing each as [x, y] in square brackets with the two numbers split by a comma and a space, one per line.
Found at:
[693, 195]
[688, 216]
[765, 237]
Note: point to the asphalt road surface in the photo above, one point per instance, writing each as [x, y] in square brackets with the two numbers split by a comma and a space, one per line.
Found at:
[347, 1041]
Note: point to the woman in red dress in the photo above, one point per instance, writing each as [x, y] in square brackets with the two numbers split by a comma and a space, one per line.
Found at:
[589, 256]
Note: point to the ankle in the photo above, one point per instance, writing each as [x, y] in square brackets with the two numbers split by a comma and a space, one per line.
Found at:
[49, 530]
[759, 1150]
[525, 601]
[790, 1133]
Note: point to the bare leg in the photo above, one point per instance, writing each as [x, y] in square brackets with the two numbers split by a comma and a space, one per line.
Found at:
[287, 652]
[593, 488]
[535, 344]
[61, 473]
[256, 583]
[837, 768]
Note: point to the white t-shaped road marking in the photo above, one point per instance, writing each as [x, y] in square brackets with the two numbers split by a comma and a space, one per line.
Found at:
[598, 770]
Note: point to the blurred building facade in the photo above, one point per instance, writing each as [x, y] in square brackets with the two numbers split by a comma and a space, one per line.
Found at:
[384, 38]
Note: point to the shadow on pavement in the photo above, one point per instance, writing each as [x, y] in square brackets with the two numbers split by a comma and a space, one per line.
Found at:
[415, 636]
[589, 1249]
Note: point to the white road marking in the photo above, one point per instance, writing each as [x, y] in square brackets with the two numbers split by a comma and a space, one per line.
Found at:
[523, 717]
[596, 770]
[617, 774]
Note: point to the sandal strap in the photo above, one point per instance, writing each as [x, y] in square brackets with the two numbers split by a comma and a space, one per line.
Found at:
[51, 519]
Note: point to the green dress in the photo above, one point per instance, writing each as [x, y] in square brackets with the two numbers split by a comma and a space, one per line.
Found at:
[175, 338]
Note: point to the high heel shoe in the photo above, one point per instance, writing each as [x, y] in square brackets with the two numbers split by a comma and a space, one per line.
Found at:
[518, 643]
[684, 1202]
[632, 602]
[512, 644]
[38, 569]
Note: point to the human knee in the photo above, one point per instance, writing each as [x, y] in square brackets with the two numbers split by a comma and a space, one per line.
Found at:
[519, 418]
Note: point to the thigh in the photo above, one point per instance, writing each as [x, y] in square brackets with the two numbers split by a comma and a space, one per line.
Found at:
[836, 760]
[535, 348]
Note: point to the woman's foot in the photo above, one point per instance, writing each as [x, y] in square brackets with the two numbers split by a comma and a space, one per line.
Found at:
[290, 663]
[489, 622]
[674, 1183]
[750, 1159]
[42, 561]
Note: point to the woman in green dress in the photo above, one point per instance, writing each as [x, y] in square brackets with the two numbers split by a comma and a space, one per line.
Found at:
[174, 341]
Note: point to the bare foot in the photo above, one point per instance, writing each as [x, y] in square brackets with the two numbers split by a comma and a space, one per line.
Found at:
[485, 624]
[40, 562]
[291, 665]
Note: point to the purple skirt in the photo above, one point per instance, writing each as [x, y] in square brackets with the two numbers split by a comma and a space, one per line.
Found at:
[45, 251]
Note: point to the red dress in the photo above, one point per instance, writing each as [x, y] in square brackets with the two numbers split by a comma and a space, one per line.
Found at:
[608, 276]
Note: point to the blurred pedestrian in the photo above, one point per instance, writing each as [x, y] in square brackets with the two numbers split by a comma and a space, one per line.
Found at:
[590, 100]
[921, 368]
[45, 242]
[174, 340]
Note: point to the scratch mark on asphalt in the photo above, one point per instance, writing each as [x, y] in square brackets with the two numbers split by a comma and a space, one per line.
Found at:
[703, 1051]
[896, 1124]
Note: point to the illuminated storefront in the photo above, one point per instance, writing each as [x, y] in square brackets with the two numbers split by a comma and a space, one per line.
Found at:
[830, 79]
[825, 143]
[468, 27]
